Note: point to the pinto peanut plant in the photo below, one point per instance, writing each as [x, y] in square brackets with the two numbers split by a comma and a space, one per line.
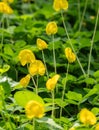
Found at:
[49, 65]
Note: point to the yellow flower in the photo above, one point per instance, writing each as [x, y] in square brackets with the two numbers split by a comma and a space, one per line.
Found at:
[51, 28]
[41, 44]
[71, 57]
[60, 4]
[72, 128]
[87, 117]
[34, 109]
[25, 80]
[26, 56]
[97, 127]
[9, 1]
[51, 83]
[5, 8]
[37, 67]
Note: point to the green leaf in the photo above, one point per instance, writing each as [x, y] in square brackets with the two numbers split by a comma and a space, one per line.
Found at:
[84, 42]
[10, 29]
[74, 96]
[69, 101]
[90, 81]
[97, 87]
[96, 74]
[4, 69]
[95, 110]
[60, 103]
[90, 93]
[8, 50]
[50, 122]
[6, 87]
[22, 97]
[20, 43]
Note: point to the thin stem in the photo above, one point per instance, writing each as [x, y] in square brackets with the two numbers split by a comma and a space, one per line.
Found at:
[45, 64]
[33, 123]
[92, 42]
[72, 45]
[54, 58]
[79, 12]
[53, 104]
[37, 80]
[92, 2]
[64, 87]
[36, 87]
[7, 21]
[83, 14]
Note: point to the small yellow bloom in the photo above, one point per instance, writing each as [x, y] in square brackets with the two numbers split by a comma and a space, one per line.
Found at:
[71, 57]
[34, 109]
[25, 80]
[60, 4]
[87, 117]
[72, 128]
[41, 44]
[92, 17]
[37, 67]
[26, 56]
[9, 1]
[97, 127]
[51, 83]
[51, 28]
[5, 8]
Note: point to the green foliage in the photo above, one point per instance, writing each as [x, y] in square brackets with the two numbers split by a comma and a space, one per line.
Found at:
[23, 97]
[74, 90]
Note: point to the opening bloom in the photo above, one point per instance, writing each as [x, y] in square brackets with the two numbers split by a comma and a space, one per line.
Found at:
[25, 80]
[41, 44]
[9, 1]
[51, 83]
[87, 117]
[26, 56]
[71, 57]
[34, 109]
[60, 4]
[51, 28]
[5, 8]
[37, 67]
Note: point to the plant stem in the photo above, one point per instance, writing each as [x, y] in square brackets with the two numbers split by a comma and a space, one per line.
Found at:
[33, 123]
[79, 12]
[64, 87]
[83, 14]
[92, 42]
[53, 104]
[36, 87]
[54, 58]
[72, 45]
[7, 21]
[45, 64]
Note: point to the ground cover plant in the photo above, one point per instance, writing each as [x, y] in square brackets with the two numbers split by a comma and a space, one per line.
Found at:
[49, 65]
